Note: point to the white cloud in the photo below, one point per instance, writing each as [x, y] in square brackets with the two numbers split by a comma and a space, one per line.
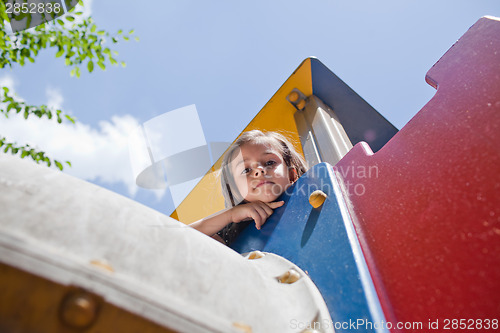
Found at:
[55, 98]
[95, 153]
[7, 81]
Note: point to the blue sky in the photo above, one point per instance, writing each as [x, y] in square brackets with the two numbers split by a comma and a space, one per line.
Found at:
[228, 58]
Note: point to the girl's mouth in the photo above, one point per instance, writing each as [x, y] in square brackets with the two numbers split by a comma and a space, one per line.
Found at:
[264, 182]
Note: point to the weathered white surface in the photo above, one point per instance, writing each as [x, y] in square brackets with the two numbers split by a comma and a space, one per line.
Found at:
[54, 225]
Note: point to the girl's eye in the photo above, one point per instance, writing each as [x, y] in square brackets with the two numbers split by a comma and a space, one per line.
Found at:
[270, 162]
[246, 170]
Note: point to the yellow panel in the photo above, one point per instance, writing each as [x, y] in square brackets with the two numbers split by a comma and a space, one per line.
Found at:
[277, 115]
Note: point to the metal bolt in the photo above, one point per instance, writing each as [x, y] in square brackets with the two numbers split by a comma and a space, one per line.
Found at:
[255, 255]
[79, 309]
[293, 97]
[317, 198]
[289, 277]
[301, 104]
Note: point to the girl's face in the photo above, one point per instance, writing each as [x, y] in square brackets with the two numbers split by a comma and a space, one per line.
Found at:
[260, 173]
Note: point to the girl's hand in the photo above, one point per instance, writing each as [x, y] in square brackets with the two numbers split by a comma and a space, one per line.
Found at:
[258, 211]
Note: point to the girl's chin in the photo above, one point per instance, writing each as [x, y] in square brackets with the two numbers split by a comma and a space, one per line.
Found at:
[263, 198]
[265, 193]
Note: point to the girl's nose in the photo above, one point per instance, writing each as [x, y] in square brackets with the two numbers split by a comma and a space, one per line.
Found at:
[259, 170]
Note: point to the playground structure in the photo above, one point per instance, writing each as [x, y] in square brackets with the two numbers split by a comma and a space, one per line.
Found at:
[409, 232]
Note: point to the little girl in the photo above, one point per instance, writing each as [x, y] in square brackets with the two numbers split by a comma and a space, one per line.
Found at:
[255, 171]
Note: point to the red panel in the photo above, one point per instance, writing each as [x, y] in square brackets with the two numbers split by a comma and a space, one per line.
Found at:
[428, 211]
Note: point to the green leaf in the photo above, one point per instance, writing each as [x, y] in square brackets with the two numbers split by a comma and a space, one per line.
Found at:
[58, 164]
[69, 118]
[70, 18]
[90, 66]
[60, 52]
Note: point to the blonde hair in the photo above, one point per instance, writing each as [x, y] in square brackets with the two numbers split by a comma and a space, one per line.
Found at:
[292, 159]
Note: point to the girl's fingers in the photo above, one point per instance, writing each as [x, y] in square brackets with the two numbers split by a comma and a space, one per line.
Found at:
[266, 208]
[260, 211]
[256, 217]
[263, 216]
[275, 204]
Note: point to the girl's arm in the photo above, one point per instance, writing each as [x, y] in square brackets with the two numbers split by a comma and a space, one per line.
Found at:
[257, 211]
[213, 223]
